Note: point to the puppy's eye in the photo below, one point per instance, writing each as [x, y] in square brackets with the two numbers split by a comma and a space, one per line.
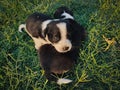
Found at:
[56, 38]
[50, 35]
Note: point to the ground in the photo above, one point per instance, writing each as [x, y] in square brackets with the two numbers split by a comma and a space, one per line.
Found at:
[98, 66]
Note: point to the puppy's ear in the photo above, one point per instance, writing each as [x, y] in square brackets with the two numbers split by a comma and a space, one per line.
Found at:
[78, 31]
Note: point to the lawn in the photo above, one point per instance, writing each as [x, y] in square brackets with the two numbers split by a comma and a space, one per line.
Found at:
[98, 66]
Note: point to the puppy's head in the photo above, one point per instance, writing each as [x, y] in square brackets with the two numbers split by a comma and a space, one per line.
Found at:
[63, 13]
[57, 34]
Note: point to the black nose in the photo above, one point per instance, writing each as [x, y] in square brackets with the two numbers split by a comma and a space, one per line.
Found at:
[65, 48]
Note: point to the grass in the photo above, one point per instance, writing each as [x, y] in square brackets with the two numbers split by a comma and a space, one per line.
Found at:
[98, 67]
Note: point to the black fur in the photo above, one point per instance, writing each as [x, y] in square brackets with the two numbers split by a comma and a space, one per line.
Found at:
[54, 62]
[53, 32]
[76, 32]
[61, 10]
[33, 24]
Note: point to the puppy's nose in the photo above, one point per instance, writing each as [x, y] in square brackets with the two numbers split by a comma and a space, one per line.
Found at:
[65, 48]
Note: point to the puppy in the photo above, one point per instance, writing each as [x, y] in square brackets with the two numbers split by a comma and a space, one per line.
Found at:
[54, 62]
[44, 30]
[57, 42]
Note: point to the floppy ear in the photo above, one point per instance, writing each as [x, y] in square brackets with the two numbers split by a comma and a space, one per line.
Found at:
[78, 31]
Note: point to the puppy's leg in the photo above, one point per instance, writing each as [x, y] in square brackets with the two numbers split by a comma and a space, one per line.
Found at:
[51, 77]
[61, 81]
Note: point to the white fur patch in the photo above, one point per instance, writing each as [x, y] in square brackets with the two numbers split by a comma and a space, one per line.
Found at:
[67, 16]
[22, 26]
[64, 42]
[63, 81]
[44, 25]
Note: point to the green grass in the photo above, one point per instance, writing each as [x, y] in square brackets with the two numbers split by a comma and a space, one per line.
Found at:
[97, 68]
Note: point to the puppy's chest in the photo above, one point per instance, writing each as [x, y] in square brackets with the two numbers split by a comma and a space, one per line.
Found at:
[39, 42]
[55, 62]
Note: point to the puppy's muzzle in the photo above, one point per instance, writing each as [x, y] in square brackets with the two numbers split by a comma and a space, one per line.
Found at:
[63, 46]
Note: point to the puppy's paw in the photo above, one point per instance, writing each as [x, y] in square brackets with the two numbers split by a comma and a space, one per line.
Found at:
[63, 81]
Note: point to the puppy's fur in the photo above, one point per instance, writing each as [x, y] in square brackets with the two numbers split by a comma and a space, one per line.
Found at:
[44, 30]
[56, 40]
[63, 13]
[55, 62]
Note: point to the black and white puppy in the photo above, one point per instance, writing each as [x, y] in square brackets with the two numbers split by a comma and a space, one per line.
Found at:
[56, 40]
[63, 62]
[55, 62]
[44, 30]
